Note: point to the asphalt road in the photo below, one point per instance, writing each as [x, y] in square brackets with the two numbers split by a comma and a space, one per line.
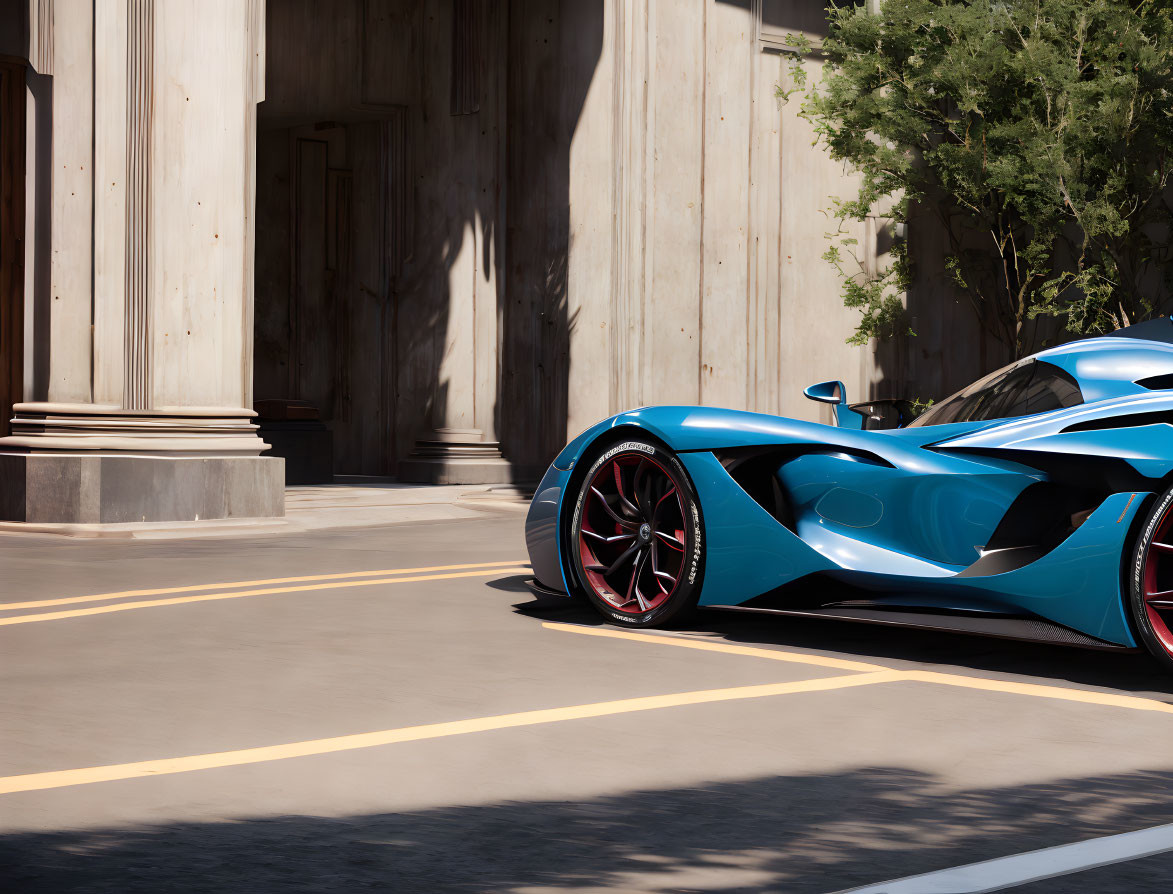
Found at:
[441, 730]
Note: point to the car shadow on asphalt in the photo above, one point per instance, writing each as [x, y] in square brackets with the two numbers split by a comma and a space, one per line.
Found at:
[1128, 671]
[515, 583]
[803, 834]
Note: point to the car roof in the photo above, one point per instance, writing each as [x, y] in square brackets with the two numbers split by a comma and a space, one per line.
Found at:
[1160, 329]
[1114, 364]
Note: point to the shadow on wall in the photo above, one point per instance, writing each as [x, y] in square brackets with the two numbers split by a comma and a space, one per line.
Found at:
[554, 50]
[950, 348]
[396, 182]
[39, 197]
[795, 833]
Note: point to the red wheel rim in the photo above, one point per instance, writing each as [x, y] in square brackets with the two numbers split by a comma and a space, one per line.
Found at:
[632, 532]
[1157, 581]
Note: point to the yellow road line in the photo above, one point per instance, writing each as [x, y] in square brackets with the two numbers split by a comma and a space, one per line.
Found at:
[208, 597]
[773, 654]
[100, 597]
[60, 778]
[1037, 690]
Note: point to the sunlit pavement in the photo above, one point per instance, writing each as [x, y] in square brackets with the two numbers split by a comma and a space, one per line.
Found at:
[384, 709]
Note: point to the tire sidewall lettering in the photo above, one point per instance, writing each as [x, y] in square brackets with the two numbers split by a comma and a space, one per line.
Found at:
[1158, 513]
[1139, 611]
[694, 564]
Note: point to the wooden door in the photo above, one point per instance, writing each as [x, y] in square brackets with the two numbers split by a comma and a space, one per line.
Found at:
[12, 149]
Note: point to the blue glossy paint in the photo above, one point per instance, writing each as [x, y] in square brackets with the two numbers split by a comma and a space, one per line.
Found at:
[845, 417]
[927, 518]
[903, 512]
[1078, 583]
[541, 530]
[833, 392]
[1109, 366]
[1147, 448]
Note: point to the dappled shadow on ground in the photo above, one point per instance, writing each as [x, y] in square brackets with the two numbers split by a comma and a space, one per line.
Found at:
[786, 833]
[1132, 672]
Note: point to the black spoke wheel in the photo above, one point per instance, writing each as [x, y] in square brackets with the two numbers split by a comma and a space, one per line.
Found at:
[635, 537]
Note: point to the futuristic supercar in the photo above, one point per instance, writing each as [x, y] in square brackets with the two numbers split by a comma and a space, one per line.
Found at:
[1034, 504]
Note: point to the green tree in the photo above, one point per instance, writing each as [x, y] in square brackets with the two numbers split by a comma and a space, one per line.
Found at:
[1036, 133]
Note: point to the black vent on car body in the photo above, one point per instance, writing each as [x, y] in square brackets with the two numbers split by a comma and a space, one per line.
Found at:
[1157, 383]
[1040, 518]
[755, 469]
[1129, 420]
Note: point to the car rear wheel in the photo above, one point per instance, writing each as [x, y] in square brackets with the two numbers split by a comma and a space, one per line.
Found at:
[1151, 580]
[636, 536]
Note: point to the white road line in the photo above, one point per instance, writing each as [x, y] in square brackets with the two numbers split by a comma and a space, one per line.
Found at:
[1033, 866]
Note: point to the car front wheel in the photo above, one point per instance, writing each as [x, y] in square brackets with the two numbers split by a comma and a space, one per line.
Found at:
[636, 536]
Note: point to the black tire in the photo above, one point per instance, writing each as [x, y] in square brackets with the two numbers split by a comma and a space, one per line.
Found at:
[639, 458]
[1144, 563]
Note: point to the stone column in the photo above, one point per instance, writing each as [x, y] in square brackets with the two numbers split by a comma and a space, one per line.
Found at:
[139, 411]
[462, 447]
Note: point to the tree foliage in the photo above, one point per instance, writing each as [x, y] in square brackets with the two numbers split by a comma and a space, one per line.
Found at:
[1035, 133]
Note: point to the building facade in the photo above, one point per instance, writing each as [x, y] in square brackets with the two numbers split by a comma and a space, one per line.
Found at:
[457, 232]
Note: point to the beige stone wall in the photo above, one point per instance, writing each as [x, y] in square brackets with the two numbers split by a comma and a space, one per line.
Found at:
[70, 162]
[202, 157]
[630, 217]
[715, 293]
[698, 220]
[554, 211]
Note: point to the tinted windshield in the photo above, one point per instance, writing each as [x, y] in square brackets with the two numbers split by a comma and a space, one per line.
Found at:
[1020, 389]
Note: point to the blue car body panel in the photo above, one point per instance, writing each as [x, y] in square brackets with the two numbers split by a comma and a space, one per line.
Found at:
[541, 529]
[910, 515]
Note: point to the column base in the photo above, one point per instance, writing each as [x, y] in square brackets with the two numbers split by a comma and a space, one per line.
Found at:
[87, 464]
[455, 456]
[71, 489]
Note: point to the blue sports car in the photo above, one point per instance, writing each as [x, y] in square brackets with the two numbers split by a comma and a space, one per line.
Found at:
[1034, 504]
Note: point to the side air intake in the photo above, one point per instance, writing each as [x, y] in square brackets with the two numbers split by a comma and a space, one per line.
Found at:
[755, 471]
[1129, 420]
[1157, 383]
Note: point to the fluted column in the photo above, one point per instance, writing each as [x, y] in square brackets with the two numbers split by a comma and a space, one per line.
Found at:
[141, 411]
[140, 48]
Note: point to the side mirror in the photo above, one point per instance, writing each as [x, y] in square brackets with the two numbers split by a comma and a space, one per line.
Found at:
[835, 393]
[827, 393]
